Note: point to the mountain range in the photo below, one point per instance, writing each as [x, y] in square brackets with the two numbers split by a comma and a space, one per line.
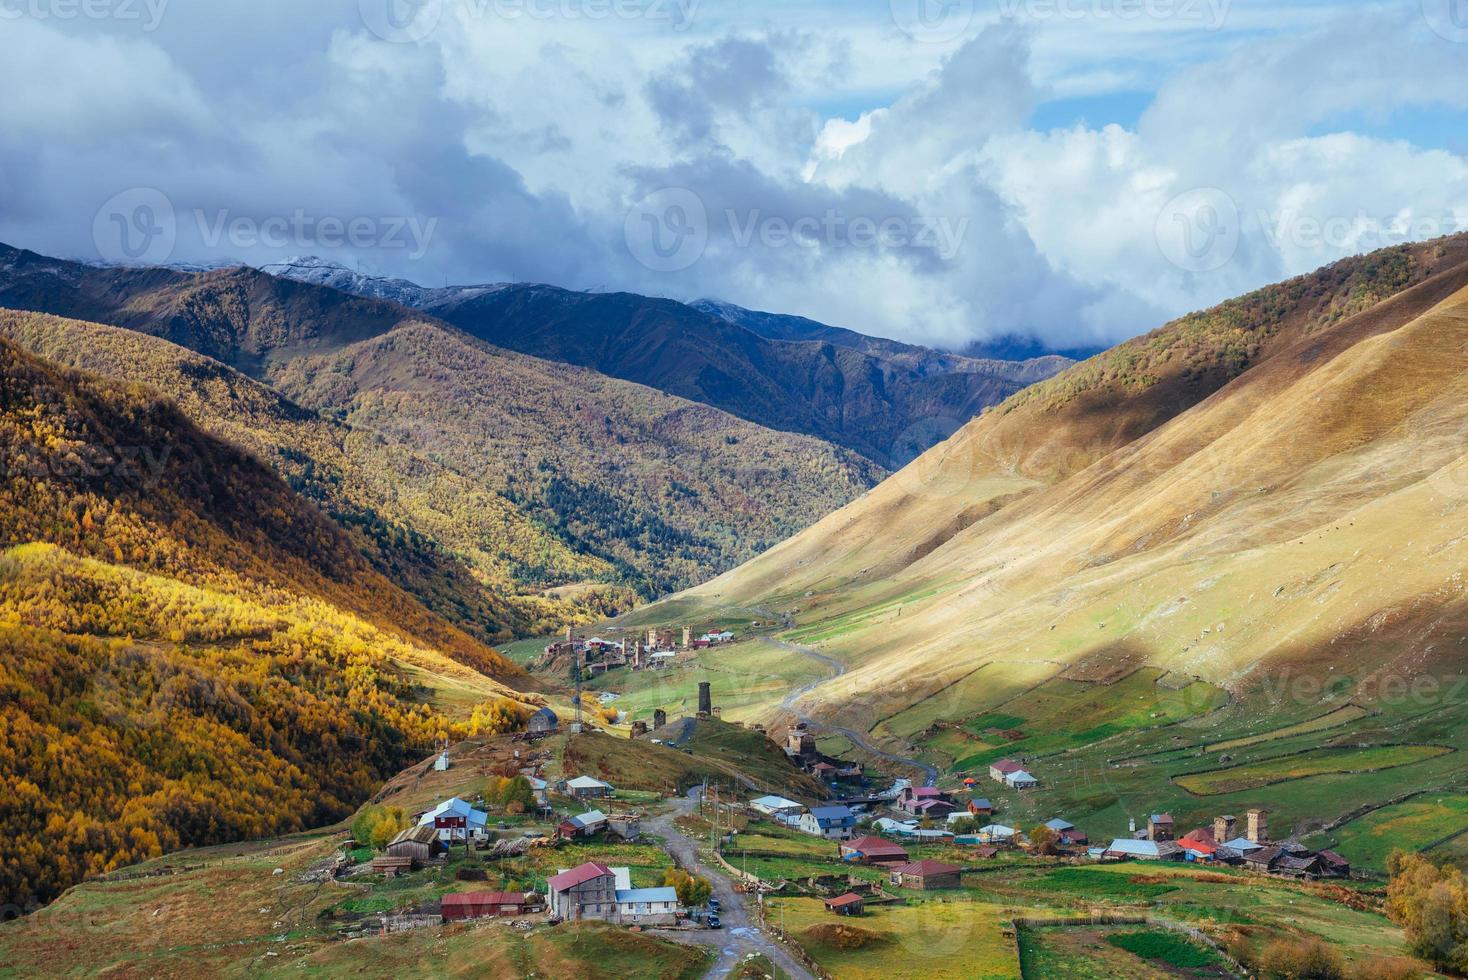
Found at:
[886, 400]
[558, 492]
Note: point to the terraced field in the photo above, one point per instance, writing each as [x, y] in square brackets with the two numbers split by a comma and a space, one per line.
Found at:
[1269, 772]
[1340, 716]
[1063, 714]
[1415, 824]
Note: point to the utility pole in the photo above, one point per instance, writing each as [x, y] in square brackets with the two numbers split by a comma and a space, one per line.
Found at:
[576, 676]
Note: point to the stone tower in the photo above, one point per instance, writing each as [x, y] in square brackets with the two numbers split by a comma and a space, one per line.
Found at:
[705, 699]
[1259, 826]
[1224, 829]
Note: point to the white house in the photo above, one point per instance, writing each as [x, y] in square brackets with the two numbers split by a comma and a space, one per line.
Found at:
[588, 786]
[887, 825]
[455, 820]
[995, 833]
[592, 822]
[1021, 780]
[441, 764]
[647, 906]
[830, 822]
[775, 805]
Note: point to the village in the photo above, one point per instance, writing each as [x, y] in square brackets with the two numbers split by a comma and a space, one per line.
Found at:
[543, 845]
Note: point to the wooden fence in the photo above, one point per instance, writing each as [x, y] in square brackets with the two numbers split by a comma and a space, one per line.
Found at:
[1196, 935]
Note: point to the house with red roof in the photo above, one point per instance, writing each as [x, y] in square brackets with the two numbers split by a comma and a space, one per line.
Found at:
[487, 905]
[1003, 769]
[1198, 850]
[586, 892]
[927, 801]
[873, 850]
[848, 904]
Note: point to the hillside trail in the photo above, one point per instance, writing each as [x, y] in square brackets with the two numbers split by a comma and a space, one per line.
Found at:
[859, 739]
[742, 934]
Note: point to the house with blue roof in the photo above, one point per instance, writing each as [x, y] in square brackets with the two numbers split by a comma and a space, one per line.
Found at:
[831, 822]
[1144, 850]
[647, 906]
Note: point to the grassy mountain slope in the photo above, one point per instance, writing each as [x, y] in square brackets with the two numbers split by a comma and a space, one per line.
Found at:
[1266, 499]
[660, 486]
[464, 550]
[192, 653]
[886, 405]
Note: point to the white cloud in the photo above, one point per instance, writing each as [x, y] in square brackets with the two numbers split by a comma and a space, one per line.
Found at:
[527, 139]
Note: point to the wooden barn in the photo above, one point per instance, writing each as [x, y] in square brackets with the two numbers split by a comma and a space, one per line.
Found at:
[419, 843]
[487, 905]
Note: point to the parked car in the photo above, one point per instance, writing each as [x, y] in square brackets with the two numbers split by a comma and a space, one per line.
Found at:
[714, 922]
[713, 905]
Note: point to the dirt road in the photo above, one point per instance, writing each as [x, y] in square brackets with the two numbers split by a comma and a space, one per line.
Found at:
[742, 933]
[859, 739]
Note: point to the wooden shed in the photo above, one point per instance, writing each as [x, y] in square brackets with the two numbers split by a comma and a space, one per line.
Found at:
[486, 905]
[420, 843]
[927, 875]
[848, 904]
[391, 867]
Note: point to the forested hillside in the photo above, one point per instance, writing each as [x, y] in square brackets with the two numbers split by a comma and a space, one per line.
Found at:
[663, 488]
[464, 550]
[191, 652]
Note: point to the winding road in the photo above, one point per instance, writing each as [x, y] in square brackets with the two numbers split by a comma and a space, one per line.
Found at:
[742, 934]
[859, 739]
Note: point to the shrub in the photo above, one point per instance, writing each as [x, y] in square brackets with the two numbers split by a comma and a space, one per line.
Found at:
[1431, 906]
[1294, 959]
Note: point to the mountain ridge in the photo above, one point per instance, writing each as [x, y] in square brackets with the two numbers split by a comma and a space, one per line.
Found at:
[884, 399]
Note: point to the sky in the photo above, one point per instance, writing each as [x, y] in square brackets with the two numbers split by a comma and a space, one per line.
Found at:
[938, 171]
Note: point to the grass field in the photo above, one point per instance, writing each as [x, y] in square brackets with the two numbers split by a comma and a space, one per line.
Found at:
[1063, 714]
[583, 950]
[1318, 763]
[748, 679]
[1369, 840]
[943, 940]
[1340, 716]
[988, 685]
[718, 752]
[1080, 953]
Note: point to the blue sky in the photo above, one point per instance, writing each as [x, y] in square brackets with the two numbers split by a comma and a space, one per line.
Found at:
[935, 170]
